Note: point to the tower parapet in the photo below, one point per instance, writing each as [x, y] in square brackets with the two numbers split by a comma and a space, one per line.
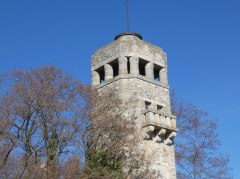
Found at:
[128, 53]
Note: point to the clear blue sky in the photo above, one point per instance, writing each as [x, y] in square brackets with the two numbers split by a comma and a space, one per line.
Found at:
[201, 37]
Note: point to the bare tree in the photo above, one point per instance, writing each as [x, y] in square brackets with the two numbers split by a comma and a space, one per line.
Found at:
[197, 144]
[109, 134]
[39, 120]
[53, 126]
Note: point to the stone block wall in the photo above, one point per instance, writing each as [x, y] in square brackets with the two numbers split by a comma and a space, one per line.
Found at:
[138, 70]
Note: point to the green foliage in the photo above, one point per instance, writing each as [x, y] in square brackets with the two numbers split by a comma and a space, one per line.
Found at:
[99, 164]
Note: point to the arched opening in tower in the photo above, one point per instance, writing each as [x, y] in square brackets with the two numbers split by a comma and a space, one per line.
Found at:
[115, 67]
[142, 64]
[101, 74]
[156, 72]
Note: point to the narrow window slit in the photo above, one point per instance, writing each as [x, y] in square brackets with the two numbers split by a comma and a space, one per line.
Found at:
[147, 105]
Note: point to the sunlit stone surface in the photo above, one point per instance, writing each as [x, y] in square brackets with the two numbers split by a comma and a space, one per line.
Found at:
[135, 68]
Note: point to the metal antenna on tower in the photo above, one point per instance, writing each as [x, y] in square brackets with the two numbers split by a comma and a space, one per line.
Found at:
[127, 18]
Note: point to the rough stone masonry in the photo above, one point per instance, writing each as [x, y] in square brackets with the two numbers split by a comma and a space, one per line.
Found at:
[136, 68]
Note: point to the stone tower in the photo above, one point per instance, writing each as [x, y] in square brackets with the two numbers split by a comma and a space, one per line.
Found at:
[135, 67]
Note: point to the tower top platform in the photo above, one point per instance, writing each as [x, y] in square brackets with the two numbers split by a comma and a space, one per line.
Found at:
[128, 33]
